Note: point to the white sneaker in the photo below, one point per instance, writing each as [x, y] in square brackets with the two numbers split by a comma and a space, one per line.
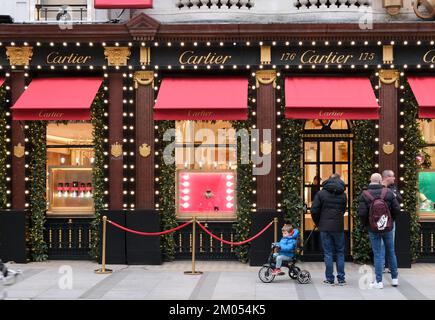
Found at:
[376, 285]
[395, 282]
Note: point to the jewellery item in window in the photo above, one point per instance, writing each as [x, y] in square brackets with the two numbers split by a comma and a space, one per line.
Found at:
[75, 189]
[88, 190]
[66, 190]
[208, 194]
[59, 189]
[82, 190]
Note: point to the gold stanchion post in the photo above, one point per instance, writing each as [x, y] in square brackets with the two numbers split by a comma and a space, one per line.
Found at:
[275, 227]
[103, 269]
[193, 272]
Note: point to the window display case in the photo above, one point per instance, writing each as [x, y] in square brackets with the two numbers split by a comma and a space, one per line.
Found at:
[70, 190]
[207, 195]
[426, 195]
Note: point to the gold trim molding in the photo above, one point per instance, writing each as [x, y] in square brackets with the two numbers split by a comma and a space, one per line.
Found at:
[265, 55]
[143, 78]
[389, 77]
[116, 150]
[388, 54]
[117, 56]
[19, 150]
[19, 56]
[266, 77]
[145, 56]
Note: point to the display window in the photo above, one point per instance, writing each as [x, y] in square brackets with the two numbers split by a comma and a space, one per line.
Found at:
[206, 162]
[70, 158]
[426, 177]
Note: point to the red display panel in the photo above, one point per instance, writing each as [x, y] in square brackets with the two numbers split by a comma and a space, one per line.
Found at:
[210, 195]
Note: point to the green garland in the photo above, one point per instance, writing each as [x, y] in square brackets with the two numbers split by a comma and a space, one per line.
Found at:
[412, 145]
[166, 187]
[38, 204]
[291, 167]
[244, 180]
[291, 183]
[98, 184]
[3, 149]
[362, 168]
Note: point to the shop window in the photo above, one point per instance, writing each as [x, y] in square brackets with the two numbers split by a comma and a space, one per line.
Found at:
[70, 158]
[206, 161]
[426, 177]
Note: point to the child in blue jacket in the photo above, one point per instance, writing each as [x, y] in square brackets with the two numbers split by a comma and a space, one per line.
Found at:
[286, 246]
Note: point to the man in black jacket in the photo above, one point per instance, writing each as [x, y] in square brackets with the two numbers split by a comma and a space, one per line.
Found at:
[388, 180]
[375, 189]
[327, 211]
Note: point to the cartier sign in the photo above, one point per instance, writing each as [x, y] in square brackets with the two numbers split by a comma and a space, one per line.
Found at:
[68, 56]
[205, 56]
[414, 55]
[326, 56]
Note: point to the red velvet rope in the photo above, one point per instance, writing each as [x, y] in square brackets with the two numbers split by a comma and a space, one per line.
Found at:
[149, 233]
[235, 243]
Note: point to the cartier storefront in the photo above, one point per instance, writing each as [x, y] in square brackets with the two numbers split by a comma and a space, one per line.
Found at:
[94, 117]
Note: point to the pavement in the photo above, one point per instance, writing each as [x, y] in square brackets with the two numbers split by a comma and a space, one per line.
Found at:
[221, 280]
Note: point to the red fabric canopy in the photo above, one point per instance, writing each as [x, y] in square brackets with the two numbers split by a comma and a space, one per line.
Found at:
[123, 4]
[423, 88]
[211, 98]
[349, 98]
[1, 81]
[57, 99]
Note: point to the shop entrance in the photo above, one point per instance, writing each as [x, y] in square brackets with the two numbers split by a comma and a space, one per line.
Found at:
[327, 149]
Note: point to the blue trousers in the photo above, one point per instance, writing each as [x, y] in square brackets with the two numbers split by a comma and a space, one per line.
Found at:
[333, 242]
[376, 240]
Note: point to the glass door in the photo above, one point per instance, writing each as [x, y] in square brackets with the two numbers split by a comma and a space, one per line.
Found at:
[327, 150]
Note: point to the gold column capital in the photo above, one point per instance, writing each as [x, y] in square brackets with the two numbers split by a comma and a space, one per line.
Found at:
[389, 76]
[117, 56]
[266, 77]
[143, 78]
[19, 56]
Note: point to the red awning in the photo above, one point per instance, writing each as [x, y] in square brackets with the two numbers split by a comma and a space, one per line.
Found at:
[123, 4]
[423, 89]
[350, 98]
[1, 81]
[57, 99]
[203, 98]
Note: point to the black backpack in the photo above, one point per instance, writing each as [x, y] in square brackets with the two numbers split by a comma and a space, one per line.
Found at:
[379, 213]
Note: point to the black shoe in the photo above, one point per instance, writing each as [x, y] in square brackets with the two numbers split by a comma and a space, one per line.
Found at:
[342, 282]
[328, 282]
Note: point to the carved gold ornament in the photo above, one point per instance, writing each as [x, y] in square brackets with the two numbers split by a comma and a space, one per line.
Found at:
[144, 150]
[266, 147]
[19, 150]
[116, 150]
[117, 56]
[19, 56]
[265, 56]
[387, 76]
[388, 148]
[143, 78]
[266, 77]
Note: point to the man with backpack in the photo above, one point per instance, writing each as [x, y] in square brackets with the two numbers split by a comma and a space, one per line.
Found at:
[378, 208]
